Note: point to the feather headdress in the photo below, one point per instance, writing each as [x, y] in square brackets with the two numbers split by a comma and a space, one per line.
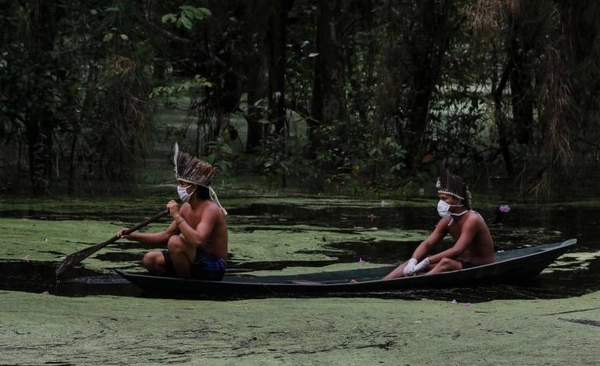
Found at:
[192, 170]
[453, 185]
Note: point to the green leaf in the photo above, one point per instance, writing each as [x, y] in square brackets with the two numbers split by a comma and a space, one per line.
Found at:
[171, 18]
[194, 12]
[205, 13]
[185, 22]
[107, 37]
[187, 13]
[124, 37]
[201, 13]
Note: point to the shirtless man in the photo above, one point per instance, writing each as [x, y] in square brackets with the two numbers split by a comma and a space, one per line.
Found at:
[196, 239]
[473, 244]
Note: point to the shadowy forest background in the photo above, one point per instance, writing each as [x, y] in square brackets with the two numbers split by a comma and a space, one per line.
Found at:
[345, 96]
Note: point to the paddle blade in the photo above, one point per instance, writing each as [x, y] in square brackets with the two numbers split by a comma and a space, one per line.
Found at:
[73, 259]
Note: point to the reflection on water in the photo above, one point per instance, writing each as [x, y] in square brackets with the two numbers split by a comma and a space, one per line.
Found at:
[531, 225]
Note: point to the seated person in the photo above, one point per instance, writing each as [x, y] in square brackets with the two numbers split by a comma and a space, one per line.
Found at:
[473, 244]
[196, 239]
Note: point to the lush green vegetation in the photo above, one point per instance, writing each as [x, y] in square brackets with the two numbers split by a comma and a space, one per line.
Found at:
[338, 96]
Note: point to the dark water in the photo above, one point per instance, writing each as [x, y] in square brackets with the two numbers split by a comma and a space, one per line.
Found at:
[532, 225]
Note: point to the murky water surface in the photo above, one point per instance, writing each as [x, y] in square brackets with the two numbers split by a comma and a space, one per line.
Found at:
[532, 225]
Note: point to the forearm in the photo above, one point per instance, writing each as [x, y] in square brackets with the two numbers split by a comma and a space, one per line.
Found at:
[433, 239]
[451, 253]
[149, 238]
[421, 251]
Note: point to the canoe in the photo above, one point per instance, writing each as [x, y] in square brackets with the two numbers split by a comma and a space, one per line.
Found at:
[510, 266]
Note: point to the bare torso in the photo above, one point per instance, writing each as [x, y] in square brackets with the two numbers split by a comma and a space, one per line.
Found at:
[208, 218]
[480, 249]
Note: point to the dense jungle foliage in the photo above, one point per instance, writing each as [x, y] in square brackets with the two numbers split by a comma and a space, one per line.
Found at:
[367, 94]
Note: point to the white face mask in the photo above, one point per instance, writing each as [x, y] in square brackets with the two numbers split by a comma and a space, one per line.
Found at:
[443, 209]
[183, 195]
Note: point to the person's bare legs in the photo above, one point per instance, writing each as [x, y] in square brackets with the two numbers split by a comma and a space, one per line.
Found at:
[182, 255]
[154, 262]
[396, 273]
[445, 265]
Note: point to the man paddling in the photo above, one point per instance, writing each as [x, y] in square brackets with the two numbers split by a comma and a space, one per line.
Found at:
[196, 239]
[473, 244]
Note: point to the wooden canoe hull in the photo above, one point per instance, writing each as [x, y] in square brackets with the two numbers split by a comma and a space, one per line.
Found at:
[510, 267]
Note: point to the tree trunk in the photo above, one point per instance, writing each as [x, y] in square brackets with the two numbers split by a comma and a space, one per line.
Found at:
[361, 85]
[254, 75]
[427, 55]
[40, 128]
[520, 85]
[327, 105]
[277, 63]
[503, 140]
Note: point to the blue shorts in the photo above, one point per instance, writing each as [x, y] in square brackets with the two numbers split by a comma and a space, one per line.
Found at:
[205, 266]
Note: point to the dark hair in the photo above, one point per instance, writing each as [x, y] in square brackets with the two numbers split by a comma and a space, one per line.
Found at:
[468, 197]
[202, 192]
[453, 185]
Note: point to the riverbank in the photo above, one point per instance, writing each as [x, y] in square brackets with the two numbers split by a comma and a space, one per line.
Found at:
[40, 329]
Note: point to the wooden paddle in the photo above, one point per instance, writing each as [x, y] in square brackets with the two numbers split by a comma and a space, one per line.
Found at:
[73, 259]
